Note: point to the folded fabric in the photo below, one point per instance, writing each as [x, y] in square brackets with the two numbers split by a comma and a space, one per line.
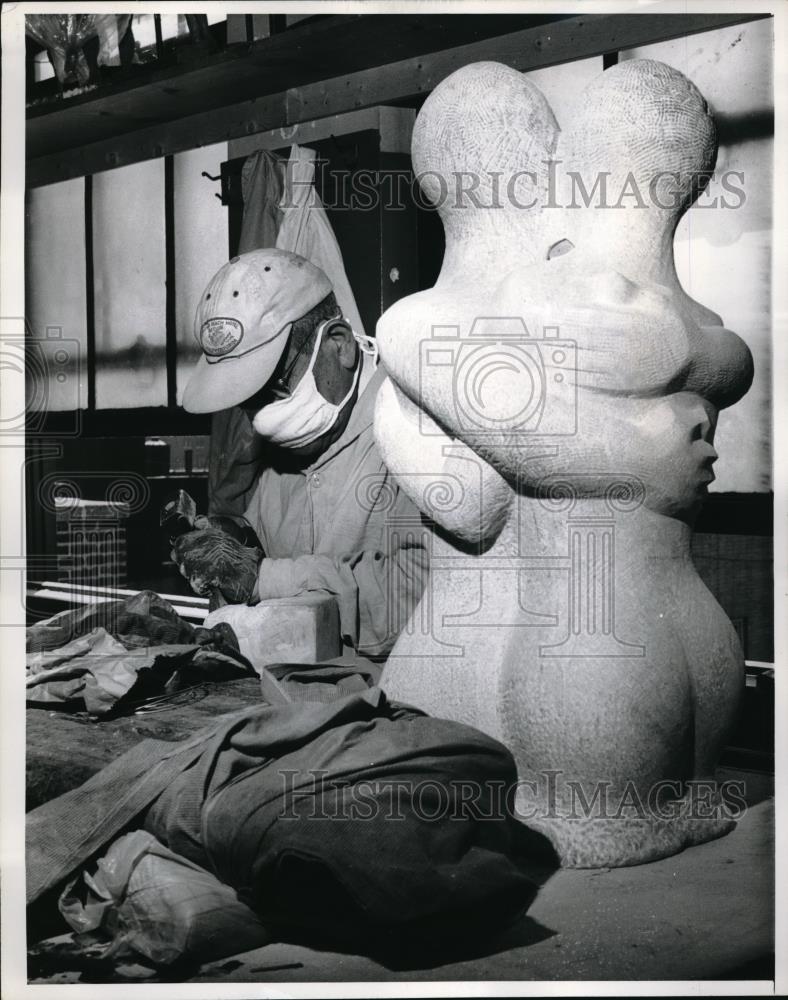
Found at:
[145, 619]
[323, 681]
[94, 668]
[99, 671]
[358, 820]
[63, 833]
[100, 652]
[152, 905]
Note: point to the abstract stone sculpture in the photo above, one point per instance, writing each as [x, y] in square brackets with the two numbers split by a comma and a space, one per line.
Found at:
[552, 417]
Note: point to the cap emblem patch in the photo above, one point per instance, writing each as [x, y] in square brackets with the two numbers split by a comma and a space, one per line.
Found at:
[220, 335]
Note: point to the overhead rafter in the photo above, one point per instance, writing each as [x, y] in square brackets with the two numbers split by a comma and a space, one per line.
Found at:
[333, 45]
[54, 155]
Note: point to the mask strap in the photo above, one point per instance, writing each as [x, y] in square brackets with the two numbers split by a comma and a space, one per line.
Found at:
[319, 340]
[368, 346]
[322, 329]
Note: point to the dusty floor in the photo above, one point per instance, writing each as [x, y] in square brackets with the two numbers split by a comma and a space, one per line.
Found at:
[706, 913]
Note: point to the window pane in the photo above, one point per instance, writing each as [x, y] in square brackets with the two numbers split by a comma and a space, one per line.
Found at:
[130, 286]
[143, 30]
[201, 244]
[55, 295]
[172, 25]
[42, 67]
[724, 246]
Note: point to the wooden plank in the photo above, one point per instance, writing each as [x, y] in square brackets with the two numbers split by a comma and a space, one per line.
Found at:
[570, 40]
[405, 79]
[330, 47]
[257, 115]
[69, 591]
[55, 601]
[393, 125]
[157, 93]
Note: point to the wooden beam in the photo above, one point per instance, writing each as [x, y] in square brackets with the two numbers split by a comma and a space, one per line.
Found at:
[404, 80]
[258, 115]
[310, 52]
[549, 45]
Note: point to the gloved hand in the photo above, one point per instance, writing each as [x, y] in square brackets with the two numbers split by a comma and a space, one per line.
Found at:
[210, 559]
[236, 527]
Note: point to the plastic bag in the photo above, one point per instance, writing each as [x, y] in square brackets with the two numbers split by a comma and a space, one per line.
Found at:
[157, 907]
[64, 35]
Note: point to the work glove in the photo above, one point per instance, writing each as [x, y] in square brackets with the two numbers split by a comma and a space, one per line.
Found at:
[236, 527]
[211, 560]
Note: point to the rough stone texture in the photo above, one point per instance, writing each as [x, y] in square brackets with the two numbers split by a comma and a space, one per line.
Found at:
[645, 133]
[553, 418]
[302, 629]
[481, 147]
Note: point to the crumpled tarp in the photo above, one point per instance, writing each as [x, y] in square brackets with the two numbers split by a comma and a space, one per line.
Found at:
[99, 653]
[357, 820]
[242, 801]
[153, 905]
[323, 681]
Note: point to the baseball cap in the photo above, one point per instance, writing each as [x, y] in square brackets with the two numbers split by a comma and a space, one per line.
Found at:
[243, 321]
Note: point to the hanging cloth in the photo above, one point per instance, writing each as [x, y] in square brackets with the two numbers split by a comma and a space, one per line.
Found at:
[305, 230]
[281, 208]
[262, 184]
[236, 451]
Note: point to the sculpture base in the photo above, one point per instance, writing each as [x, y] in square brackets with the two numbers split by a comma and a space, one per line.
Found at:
[619, 843]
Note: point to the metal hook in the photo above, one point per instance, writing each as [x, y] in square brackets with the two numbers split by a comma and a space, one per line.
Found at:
[210, 177]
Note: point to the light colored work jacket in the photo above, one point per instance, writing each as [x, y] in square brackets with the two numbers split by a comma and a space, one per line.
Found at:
[342, 525]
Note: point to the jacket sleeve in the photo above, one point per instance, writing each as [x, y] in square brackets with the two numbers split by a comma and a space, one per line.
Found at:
[376, 591]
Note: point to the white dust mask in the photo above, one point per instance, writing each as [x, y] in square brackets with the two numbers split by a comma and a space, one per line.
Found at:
[305, 415]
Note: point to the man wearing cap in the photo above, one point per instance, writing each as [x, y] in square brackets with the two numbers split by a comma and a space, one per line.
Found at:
[325, 511]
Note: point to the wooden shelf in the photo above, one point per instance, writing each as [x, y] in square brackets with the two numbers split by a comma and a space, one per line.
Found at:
[327, 48]
[330, 66]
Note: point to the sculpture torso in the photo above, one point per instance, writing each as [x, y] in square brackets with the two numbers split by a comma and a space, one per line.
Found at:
[568, 407]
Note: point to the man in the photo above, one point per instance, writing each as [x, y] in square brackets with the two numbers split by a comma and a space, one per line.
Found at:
[325, 511]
